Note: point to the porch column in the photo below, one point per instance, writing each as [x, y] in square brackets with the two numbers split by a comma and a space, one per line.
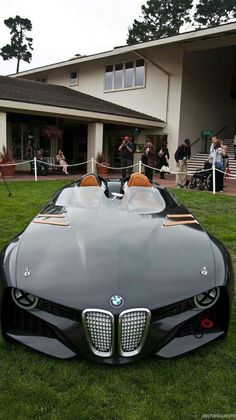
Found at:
[95, 142]
[3, 130]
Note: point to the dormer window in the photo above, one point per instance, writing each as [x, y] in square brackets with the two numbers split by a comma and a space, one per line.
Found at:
[73, 79]
[128, 75]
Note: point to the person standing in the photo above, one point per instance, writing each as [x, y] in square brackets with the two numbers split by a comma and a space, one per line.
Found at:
[216, 156]
[127, 149]
[163, 157]
[150, 152]
[226, 161]
[182, 155]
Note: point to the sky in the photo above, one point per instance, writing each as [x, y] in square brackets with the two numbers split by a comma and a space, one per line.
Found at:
[63, 28]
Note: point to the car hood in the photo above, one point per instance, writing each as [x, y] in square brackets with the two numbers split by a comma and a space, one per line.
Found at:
[106, 252]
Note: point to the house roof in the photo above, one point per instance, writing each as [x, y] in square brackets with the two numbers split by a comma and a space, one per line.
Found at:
[220, 31]
[27, 91]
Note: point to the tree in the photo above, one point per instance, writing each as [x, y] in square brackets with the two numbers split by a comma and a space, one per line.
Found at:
[214, 12]
[20, 44]
[160, 18]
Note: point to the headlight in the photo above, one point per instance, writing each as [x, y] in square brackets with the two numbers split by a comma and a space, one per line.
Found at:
[23, 299]
[207, 299]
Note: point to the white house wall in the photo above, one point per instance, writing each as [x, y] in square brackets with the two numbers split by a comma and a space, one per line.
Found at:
[159, 98]
[171, 60]
[150, 100]
[206, 102]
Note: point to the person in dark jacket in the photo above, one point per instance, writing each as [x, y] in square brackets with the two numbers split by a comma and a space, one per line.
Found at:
[182, 155]
[149, 152]
[127, 149]
[162, 159]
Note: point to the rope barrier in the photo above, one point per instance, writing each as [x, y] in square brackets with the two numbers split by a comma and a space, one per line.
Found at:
[57, 165]
[113, 167]
[16, 164]
[140, 165]
[116, 168]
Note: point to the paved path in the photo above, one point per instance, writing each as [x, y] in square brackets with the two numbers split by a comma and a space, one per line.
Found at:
[169, 182]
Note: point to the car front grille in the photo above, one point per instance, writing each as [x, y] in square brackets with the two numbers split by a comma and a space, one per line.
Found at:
[133, 327]
[99, 328]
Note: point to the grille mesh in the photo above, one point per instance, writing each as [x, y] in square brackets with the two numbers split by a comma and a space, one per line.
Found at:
[99, 328]
[133, 326]
[20, 321]
[132, 329]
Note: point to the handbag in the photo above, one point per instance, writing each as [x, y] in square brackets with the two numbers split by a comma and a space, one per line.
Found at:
[165, 168]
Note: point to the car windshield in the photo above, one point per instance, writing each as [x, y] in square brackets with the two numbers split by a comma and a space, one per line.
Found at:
[85, 197]
[141, 200]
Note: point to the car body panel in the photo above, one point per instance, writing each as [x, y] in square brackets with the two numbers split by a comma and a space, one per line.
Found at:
[120, 265]
[85, 247]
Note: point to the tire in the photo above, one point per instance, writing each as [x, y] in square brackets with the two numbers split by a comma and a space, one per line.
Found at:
[209, 182]
[201, 186]
[192, 184]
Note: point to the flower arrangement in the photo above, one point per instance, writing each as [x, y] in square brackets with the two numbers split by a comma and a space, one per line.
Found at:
[7, 167]
[52, 132]
[101, 160]
[6, 156]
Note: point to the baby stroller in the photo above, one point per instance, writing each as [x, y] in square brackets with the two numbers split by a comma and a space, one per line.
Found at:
[202, 179]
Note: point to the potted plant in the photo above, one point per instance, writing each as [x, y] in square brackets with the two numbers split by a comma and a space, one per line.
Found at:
[102, 165]
[7, 166]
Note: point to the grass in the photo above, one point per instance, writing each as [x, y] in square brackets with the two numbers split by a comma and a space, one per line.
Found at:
[33, 386]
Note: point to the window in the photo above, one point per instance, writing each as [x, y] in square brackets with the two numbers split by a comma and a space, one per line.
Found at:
[118, 76]
[109, 77]
[139, 73]
[128, 75]
[73, 80]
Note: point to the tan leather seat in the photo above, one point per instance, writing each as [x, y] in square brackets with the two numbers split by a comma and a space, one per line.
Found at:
[139, 180]
[89, 181]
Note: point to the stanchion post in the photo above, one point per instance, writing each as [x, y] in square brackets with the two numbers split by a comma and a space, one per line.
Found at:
[92, 164]
[35, 170]
[140, 166]
[214, 178]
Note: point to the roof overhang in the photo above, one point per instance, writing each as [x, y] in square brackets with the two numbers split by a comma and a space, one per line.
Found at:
[89, 116]
[182, 39]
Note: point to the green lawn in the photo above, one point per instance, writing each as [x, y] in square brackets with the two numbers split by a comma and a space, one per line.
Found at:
[33, 386]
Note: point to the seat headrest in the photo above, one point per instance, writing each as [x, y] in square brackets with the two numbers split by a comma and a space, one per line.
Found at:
[89, 181]
[139, 180]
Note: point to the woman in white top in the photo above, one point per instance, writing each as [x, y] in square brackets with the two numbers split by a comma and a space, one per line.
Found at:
[216, 159]
[60, 158]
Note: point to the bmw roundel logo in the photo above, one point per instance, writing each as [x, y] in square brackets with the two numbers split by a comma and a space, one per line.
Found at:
[116, 300]
[204, 271]
[27, 272]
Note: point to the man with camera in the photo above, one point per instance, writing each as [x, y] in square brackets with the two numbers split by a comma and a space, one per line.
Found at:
[127, 149]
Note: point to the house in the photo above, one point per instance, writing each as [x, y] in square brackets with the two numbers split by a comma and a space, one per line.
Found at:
[167, 89]
[30, 110]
